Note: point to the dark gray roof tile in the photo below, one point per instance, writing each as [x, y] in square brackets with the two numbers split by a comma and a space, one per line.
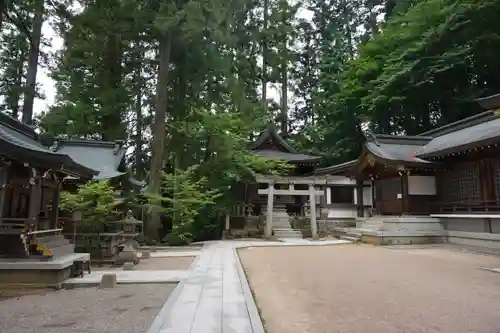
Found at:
[103, 156]
[288, 157]
[19, 142]
[470, 137]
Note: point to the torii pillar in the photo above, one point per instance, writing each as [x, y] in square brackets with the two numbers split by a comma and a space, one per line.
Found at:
[268, 231]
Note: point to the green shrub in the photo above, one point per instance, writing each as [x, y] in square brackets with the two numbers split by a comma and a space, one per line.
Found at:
[173, 239]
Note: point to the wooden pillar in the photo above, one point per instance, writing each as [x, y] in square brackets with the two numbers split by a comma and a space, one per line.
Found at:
[312, 209]
[359, 196]
[268, 232]
[34, 205]
[56, 198]
[4, 183]
[404, 194]
[374, 196]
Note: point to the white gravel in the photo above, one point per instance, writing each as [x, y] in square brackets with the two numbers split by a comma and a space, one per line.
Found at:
[124, 309]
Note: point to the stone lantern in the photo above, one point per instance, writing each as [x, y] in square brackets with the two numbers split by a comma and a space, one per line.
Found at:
[129, 228]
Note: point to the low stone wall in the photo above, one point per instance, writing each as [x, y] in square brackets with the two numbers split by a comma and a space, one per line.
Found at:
[329, 226]
[242, 227]
[480, 239]
[387, 238]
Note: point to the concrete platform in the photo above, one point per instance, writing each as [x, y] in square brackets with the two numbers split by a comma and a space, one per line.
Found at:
[38, 273]
[128, 277]
[30, 264]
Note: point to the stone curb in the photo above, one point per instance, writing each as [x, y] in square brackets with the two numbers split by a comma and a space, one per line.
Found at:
[253, 312]
[157, 323]
[96, 284]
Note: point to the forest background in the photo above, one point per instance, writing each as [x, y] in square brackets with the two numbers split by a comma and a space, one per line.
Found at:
[181, 80]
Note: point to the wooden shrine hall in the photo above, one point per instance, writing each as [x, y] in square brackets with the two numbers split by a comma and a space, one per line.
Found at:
[31, 177]
[441, 185]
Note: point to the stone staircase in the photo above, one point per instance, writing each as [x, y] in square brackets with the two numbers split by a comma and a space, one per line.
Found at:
[53, 246]
[353, 236]
[281, 225]
[371, 224]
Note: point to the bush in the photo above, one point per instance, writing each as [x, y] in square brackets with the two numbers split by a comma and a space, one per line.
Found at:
[177, 240]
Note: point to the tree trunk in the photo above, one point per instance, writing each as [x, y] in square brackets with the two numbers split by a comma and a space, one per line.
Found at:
[15, 94]
[159, 131]
[284, 98]
[139, 170]
[36, 35]
[264, 54]
[284, 80]
[111, 98]
[3, 9]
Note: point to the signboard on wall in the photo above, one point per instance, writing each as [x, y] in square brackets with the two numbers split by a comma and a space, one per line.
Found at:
[421, 185]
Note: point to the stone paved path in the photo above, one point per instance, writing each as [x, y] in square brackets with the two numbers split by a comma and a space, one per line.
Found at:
[216, 297]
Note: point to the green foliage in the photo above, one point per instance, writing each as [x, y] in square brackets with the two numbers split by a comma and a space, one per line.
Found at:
[96, 200]
[183, 195]
[176, 239]
[426, 68]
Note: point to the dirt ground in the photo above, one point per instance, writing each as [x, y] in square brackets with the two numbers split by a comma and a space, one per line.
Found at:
[365, 289]
[123, 309]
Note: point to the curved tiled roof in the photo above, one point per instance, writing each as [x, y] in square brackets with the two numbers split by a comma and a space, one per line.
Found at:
[18, 142]
[283, 152]
[473, 134]
[397, 149]
[106, 157]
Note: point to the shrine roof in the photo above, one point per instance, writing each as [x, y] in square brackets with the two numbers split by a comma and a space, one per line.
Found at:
[272, 145]
[284, 156]
[473, 132]
[19, 141]
[337, 169]
[397, 149]
[106, 157]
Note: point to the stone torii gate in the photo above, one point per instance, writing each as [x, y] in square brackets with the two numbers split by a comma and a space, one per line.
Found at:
[291, 181]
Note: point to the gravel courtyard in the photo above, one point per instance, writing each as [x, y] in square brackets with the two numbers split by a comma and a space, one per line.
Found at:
[123, 309]
[365, 289]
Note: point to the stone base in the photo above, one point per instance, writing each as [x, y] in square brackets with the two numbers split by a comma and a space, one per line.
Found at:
[478, 239]
[34, 278]
[401, 239]
[37, 273]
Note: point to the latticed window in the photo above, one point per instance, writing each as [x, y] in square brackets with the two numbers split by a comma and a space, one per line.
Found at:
[462, 185]
[496, 167]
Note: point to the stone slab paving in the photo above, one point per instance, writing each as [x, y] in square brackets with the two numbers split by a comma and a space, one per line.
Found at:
[168, 254]
[216, 297]
[129, 277]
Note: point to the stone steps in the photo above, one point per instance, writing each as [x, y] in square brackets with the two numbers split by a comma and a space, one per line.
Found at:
[48, 239]
[63, 250]
[350, 239]
[54, 246]
[287, 233]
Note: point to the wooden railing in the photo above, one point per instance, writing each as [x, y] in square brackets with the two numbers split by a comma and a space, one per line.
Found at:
[467, 206]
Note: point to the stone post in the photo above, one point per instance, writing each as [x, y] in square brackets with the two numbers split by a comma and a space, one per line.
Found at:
[328, 195]
[312, 210]
[228, 221]
[269, 218]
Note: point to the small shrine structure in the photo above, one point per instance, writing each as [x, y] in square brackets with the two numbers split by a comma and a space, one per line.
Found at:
[32, 248]
[108, 159]
[271, 204]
